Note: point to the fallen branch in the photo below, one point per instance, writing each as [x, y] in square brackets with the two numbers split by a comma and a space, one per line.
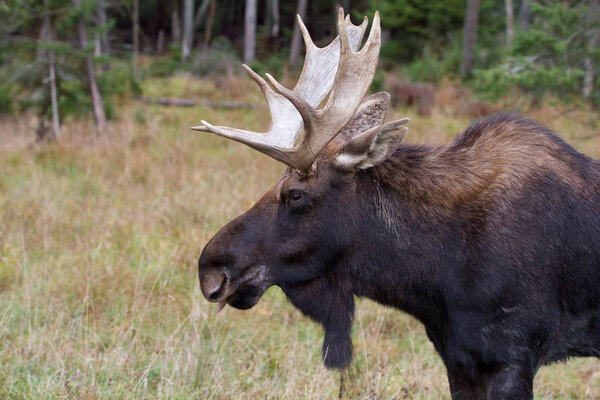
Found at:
[167, 102]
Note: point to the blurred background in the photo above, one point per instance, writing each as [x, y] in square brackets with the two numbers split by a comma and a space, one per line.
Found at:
[63, 58]
[107, 198]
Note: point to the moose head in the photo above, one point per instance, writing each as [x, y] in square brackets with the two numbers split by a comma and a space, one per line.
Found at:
[301, 232]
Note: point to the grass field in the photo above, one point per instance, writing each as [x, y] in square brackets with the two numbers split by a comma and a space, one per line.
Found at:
[99, 238]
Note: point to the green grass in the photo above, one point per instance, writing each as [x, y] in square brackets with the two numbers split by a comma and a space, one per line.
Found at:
[99, 299]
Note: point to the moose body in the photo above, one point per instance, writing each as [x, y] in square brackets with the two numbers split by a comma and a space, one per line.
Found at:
[492, 242]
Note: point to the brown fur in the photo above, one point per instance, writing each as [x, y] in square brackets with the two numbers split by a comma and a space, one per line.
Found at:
[488, 161]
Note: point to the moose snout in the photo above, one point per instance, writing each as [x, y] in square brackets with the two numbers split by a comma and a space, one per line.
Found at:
[213, 283]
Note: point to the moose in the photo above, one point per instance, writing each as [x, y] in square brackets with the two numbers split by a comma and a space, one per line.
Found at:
[491, 241]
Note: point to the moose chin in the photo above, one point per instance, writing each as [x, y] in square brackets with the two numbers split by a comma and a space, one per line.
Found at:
[491, 241]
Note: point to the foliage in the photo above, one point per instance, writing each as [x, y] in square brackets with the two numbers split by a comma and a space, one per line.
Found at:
[274, 64]
[6, 98]
[28, 59]
[219, 59]
[426, 37]
[413, 24]
[433, 68]
[549, 58]
[422, 39]
[168, 65]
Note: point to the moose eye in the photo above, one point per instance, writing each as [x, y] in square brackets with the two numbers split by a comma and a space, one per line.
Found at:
[295, 196]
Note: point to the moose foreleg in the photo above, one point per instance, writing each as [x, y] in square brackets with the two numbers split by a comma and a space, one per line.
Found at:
[512, 382]
[464, 389]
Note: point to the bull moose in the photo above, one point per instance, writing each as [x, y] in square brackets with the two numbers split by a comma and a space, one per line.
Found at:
[492, 241]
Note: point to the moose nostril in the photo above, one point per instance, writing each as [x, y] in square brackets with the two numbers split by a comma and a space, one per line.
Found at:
[213, 285]
[218, 292]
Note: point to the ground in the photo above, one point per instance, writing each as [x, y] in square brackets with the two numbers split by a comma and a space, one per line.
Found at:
[99, 239]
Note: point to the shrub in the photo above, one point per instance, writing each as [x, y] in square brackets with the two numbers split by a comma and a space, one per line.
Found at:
[549, 58]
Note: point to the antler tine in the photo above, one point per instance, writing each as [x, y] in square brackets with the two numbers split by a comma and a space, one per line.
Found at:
[305, 34]
[286, 124]
[352, 80]
[321, 64]
[290, 108]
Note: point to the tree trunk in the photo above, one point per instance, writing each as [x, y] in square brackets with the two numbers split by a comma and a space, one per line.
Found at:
[97, 45]
[97, 105]
[276, 19]
[202, 8]
[160, 42]
[268, 18]
[593, 34]
[470, 37]
[53, 96]
[188, 29]
[40, 52]
[175, 27]
[136, 31]
[250, 31]
[510, 30]
[272, 18]
[104, 42]
[296, 37]
[209, 24]
[162, 8]
[525, 16]
[49, 37]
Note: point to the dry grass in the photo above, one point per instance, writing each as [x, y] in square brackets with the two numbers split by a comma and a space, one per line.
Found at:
[99, 298]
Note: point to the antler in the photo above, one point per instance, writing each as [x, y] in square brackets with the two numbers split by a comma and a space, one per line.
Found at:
[339, 66]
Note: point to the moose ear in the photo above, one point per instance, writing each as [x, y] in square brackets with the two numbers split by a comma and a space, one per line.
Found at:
[370, 114]
[372, 147]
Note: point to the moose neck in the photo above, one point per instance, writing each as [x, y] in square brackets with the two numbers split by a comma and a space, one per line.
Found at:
[408, 238]
[411, 236]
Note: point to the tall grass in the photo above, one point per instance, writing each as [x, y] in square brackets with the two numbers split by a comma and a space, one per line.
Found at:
[99, 299]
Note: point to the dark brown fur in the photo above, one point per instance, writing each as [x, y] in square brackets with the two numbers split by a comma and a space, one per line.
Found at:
[492, 160]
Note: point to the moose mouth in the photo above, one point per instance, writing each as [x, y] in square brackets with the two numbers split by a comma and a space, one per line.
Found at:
[247, 292]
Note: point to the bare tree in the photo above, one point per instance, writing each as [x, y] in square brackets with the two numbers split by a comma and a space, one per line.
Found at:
[593, 35]
[188, 29]
[97, 105]
[272, 18]
[209, 24]
[49, 37]
[175, 27]
[53, 95]
[201, 12]
[525, 16]
[40, 51]
[296, 37]
[470, 36]
[160, 42]
[102, 21]
[136, 31]
[162, 8]
[510, 30]
[250, 31]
